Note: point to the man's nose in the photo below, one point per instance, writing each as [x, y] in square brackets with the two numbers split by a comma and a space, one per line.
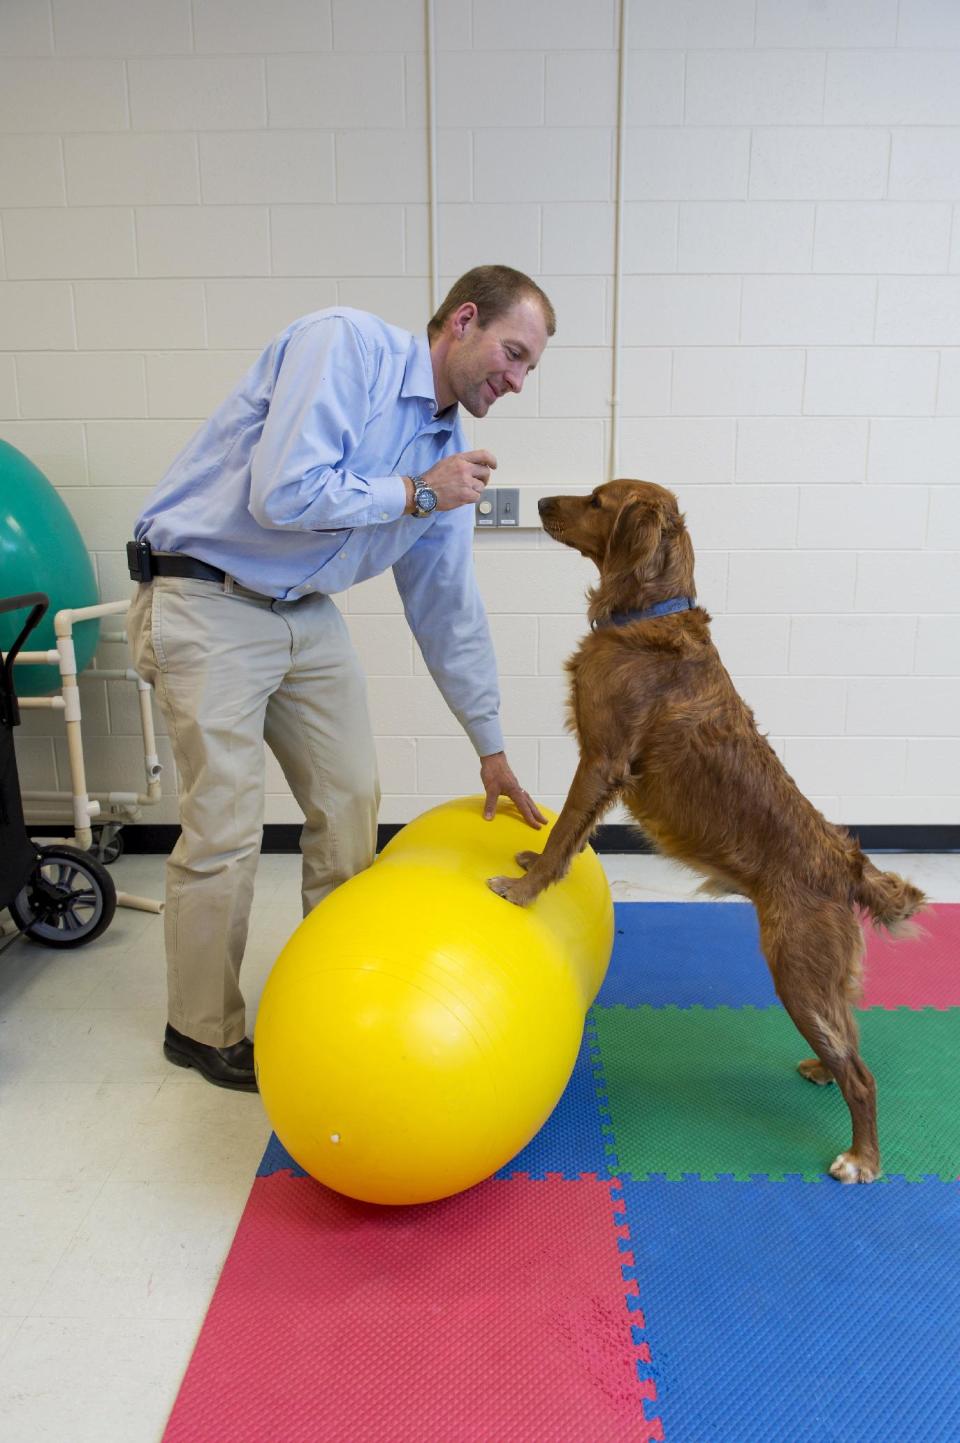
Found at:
[515, 377]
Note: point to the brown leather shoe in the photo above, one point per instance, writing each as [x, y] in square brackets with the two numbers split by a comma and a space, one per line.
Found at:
[224, 1066]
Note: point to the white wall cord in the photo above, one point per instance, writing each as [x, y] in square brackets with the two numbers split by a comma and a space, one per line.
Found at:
[618, 244]
[432, 201]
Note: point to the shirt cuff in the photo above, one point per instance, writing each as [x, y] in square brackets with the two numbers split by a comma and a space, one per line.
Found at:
[487, 737]
[388, 498]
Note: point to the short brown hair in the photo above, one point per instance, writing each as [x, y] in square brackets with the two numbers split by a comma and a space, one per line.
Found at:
[493, 290]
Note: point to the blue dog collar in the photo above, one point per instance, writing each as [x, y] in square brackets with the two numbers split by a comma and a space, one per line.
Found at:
[662, 608]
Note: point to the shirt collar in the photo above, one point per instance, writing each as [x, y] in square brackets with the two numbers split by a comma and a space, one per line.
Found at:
[418, 381]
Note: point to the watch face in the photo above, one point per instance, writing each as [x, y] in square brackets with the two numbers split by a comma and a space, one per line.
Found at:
[425, 499]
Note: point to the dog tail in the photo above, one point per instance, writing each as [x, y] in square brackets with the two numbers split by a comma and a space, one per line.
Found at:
[889, 899]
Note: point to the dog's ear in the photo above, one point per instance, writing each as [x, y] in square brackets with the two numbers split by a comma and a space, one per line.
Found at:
[635, 535]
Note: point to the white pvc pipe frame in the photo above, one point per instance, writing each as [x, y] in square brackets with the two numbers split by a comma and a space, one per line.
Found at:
[89, 805]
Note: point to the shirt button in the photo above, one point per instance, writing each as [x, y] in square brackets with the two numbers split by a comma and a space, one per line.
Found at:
[384, 515]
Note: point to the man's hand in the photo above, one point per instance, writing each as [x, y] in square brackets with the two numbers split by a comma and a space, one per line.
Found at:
[499, 780]
[458, 480]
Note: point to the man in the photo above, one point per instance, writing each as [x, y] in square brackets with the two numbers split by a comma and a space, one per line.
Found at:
[340, 453]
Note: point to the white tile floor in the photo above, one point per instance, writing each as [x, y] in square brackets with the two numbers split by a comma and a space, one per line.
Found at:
[122, 1179]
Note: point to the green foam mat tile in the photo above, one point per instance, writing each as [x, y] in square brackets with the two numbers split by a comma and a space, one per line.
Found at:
[715, 1091]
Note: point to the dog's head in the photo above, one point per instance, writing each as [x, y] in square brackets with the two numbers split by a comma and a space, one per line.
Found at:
[634, 533]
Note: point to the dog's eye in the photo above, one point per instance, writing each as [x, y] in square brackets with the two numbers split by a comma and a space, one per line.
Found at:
[595, 502]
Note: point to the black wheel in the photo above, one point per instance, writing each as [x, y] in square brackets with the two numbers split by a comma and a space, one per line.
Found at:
[69, 899]
[108, 845]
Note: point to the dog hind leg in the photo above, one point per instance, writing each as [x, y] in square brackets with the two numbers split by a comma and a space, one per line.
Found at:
[815, 962]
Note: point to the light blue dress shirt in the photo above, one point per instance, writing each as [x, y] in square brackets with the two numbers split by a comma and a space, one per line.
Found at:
[295, 485]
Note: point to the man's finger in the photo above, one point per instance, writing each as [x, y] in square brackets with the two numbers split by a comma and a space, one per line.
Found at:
[483, 458]
[529, 810]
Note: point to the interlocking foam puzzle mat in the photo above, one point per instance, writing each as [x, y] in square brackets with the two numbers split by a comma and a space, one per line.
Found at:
[668, 1259]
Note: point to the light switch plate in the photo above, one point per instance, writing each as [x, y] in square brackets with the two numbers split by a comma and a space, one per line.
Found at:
[508, 505]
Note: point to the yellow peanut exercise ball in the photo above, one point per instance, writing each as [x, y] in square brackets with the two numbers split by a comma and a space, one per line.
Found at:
[578, 910]
[417, 1030]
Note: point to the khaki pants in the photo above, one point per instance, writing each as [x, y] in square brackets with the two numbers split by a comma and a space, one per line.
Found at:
[231, 669]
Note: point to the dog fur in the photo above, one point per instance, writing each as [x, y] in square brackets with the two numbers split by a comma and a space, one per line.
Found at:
[662, 728]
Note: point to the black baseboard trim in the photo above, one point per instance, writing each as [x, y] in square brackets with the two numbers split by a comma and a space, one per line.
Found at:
[159, 838]
[875, 837]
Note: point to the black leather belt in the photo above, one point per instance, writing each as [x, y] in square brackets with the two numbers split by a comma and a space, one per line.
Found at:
[171, 565]
[144, 564]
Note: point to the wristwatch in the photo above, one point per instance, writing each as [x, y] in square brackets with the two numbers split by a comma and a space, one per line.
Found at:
[424, 497]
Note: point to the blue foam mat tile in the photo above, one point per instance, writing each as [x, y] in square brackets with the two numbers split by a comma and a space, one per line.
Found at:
[277, 1159]
[684, 953]
[776, 1312]
[571, 1141]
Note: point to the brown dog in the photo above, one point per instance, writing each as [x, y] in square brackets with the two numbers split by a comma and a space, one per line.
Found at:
[662, 729]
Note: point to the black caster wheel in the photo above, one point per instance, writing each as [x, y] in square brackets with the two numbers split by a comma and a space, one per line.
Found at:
[108, 845]
[69, 899]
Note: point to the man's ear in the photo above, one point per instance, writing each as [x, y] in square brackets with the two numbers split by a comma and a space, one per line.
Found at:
[463, 317]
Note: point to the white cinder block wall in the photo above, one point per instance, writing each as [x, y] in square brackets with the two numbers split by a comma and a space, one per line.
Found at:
[181, 178]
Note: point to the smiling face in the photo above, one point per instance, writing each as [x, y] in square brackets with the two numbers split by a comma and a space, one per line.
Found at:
[478, 364]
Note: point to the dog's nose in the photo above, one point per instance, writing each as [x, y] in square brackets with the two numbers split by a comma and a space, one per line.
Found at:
[544, 504]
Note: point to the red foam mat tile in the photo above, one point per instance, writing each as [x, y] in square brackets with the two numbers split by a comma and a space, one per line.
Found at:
[494, 1316]
[922, 971]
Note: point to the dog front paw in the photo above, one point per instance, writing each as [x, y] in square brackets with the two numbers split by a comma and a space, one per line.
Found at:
[511, 889]
[526, 859]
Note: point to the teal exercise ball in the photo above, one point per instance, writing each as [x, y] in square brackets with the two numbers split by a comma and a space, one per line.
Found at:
[41, 549]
